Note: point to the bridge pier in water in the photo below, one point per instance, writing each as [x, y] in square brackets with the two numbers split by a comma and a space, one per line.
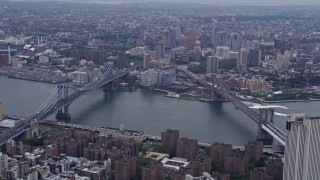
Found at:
[216, 97]
[110, 87]
[267, 115]
[63, 114]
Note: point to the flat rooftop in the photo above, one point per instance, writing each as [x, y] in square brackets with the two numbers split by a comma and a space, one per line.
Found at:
[7, 123]
[175, 163]
[157, 156]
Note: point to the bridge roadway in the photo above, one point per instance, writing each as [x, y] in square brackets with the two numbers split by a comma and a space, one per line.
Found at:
[22, 125]
[270, 128]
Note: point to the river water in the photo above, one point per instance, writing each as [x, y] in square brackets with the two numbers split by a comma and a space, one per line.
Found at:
[147, 110]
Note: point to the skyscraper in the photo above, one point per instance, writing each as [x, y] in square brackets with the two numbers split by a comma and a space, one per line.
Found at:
[234, 41]
[159, 51]
[166, 39]
[283, 61]
[302, 149]
[146, 60]
[121, 59]
[192, 38]
[254, 57]
[212, 64]
[220, 39]
[242, 60]
[223, 52]
[214, 26]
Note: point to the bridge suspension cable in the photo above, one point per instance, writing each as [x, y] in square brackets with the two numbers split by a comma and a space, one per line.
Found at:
[92, 82]
[47, 100]
[96, 83]
[50, 103]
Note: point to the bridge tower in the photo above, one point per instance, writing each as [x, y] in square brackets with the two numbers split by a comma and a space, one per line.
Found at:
[216, 97]
[217, 82]
[33, 130]
[267, 116]
[63, 95]
[110, 87]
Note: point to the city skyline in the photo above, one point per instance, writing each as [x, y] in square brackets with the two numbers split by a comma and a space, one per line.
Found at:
[159, 90]
[212, 2]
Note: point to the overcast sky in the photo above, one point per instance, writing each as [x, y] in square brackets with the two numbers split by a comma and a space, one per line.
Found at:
[253, 2]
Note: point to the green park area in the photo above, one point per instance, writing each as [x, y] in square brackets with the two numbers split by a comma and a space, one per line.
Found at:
[286, 97]
[38, 141]
[226, 64]
[190, 97]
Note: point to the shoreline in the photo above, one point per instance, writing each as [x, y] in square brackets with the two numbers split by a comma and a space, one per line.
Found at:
[162, 90]
[285, 101]
[35, 80]
[159, 90]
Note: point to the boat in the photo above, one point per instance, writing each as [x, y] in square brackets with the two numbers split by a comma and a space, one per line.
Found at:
[206, 100]
[172, 94]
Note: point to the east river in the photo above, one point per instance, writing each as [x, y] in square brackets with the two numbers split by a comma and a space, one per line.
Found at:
[147, 110]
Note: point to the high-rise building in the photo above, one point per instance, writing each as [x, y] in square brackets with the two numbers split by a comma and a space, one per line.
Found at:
[254, 149]
[266, 48]
[125, 169]
[153, 171]
[1, 112]
[236, 164]
[177, 33]
[23, 168]
[283, 61]
[218, 152]
[301, 158]
[254, 57]
[192, 38]
[169, 138]
[214, 26]
[149, 78]
[275, 168]
[11, 148]
[187, 148]
[197, 167]
[9, 54]
[159, 51]
[220, 39]
[223, 52]
[121, 59]
[212, 64]
[242, 60]
[146, 60]
[187, 26]
[3, 162]
[260, 175]
[234, 41]
[166, 39]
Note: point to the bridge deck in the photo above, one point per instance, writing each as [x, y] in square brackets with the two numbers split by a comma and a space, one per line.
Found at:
[218, 88]
[53, 106]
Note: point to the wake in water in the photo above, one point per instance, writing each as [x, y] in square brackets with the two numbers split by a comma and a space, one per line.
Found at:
[259, 106]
